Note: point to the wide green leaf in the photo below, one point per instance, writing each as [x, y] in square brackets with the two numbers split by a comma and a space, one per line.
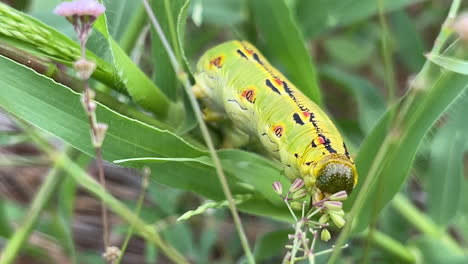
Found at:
[57, 110]
[164, 75]
[253, 172]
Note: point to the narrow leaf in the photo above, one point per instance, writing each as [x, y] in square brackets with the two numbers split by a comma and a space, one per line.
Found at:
[142, 90]
[285, 41]
[450, 63]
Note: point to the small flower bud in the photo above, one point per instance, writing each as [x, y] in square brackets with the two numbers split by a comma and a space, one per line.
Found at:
[291, 236]
[324, 219]
[325, 235]
[339, 196]
[297, 184]
[337, 219]
[278, 188]
[333, 205]
[460, 26]
[339, 212]
[84, 68]
[301, 193]
[112, 254]
[296, 205]
[101, 129]
[88, 105]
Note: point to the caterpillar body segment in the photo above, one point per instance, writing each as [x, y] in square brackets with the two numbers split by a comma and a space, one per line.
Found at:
[234, 78]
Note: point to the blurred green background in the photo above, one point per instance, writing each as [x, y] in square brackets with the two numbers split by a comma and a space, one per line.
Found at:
[363, 61]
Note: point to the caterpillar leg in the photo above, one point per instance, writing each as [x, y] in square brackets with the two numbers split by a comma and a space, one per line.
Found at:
[210, 115]
[234, 137]
[198, 91]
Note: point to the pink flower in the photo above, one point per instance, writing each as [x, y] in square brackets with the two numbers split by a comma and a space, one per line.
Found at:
[80, 8]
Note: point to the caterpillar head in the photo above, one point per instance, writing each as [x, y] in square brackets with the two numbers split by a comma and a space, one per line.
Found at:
[336, 174]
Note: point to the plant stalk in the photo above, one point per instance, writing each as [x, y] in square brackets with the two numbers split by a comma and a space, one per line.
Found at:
[206, 136]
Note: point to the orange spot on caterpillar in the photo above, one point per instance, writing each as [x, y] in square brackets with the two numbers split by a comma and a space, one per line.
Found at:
[306, 114]
[218, 61]
[249, 95]
[277, 81]
[321, 140]
[249, 51]
[278, 130]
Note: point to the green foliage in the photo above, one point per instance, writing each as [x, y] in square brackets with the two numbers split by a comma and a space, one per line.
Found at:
[336, 42]
[284, 39]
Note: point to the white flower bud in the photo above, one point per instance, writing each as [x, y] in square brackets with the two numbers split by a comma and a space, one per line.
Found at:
[297, 184]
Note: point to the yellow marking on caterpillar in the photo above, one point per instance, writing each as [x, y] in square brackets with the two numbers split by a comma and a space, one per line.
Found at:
[236, 79]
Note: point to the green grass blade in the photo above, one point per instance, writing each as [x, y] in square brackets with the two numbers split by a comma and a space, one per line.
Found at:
[142, 90]
[285, 42]
[164, 75]
[445, 173]
[317, 17]
[450, 63]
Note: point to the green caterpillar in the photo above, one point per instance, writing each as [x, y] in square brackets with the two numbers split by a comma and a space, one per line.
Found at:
[235, 79]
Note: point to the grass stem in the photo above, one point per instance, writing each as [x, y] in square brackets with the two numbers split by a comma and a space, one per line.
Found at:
[206, 136]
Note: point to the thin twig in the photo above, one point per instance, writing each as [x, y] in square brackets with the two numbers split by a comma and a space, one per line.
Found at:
[219, 171]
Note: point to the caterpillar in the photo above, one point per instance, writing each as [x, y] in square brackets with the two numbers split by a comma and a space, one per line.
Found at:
[235, 79]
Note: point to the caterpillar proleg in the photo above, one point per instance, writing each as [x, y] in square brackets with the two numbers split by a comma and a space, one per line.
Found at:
[234, 78]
